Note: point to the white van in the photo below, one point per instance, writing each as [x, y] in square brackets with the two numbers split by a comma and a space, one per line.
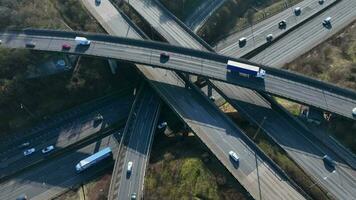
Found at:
[82, 41]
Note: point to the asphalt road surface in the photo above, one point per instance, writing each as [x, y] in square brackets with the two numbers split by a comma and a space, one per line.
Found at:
[138, 148]
[256, 34]
[298, 142]
[308, 36]
[64, 133]
[221, 135]
[202, 13]
[278, 83]
[56, 176]
[204, 127]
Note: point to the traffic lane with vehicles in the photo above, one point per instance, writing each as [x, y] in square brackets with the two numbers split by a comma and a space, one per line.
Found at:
[138, 148]
[17, 138]
[57, 176]
[66, 134]
[304, 149]
[307, 36]
[221, 136]
[256, 34]
[294, 87]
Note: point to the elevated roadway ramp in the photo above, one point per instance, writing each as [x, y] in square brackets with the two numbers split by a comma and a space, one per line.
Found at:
[277, 82]
[186, 110]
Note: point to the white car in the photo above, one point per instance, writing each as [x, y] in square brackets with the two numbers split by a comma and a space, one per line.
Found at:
[354, 112]
[29, 151]
[234, 156]
[297, 11]
[48, 149]
[242, 41]
[0, 41]
[162, 125]
[269, 37]
[129, 167]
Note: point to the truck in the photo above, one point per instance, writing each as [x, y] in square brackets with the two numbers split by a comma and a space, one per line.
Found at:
[93, 159]
[245, 69]
[82, 41]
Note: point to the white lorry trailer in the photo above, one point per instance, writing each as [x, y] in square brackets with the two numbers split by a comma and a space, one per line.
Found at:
[245, 69]
[82, 41]
[93, 159]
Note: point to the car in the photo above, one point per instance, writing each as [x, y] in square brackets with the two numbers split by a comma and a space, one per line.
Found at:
[129, 167]
[242, 41]
[164, 56]
[282, 24]
[0, 41]
[66, 46]
[25, 144]
[162, 125]
[327, 22]
[234, 156]
[29, 151]
[297, 11]
[48, 149]
[212, 98]
[30, 44]
[22, 197]
[321, 2]
[269, 37]
[133, 196]
[97, 2]
[354, 112]
[329, 161]
[98, 118]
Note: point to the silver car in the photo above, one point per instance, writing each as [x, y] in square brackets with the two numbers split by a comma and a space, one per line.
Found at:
[29, 151]
[48, 149]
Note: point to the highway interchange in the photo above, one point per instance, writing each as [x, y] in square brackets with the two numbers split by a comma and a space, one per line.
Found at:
[203, 128]
[177, 84]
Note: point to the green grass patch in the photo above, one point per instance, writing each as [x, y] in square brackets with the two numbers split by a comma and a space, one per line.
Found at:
[181, 8]
[292, 107]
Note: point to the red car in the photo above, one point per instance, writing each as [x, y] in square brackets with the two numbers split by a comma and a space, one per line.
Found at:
[66, 46]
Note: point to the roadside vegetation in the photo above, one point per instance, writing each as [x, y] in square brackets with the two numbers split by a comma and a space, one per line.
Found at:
[236, 15]
[278, 155]
[334, 61]
[181, 167]
[181, 8]
[26, 101]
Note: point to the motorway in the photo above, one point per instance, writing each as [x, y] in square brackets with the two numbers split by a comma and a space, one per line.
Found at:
[277, 82]
[201, 14]
[295, 141]
[151, 11]
[200, 123]
[41, 183]
[64, 133]
[137, 141]
[308, 36]
[256, 34]
[221, 135]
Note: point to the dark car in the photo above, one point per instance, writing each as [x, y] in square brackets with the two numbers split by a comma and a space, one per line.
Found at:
[66, 46]
[164, 57]
[329, 161]
[30, 44]
[282, 24]
[22, 197]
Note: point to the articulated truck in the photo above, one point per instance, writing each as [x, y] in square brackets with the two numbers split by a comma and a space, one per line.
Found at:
[93, 159]
[245, 69]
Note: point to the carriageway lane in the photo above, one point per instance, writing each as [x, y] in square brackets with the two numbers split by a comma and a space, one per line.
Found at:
[277, 82]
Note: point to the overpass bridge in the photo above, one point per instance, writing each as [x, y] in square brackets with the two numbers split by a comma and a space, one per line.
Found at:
[277, 82]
